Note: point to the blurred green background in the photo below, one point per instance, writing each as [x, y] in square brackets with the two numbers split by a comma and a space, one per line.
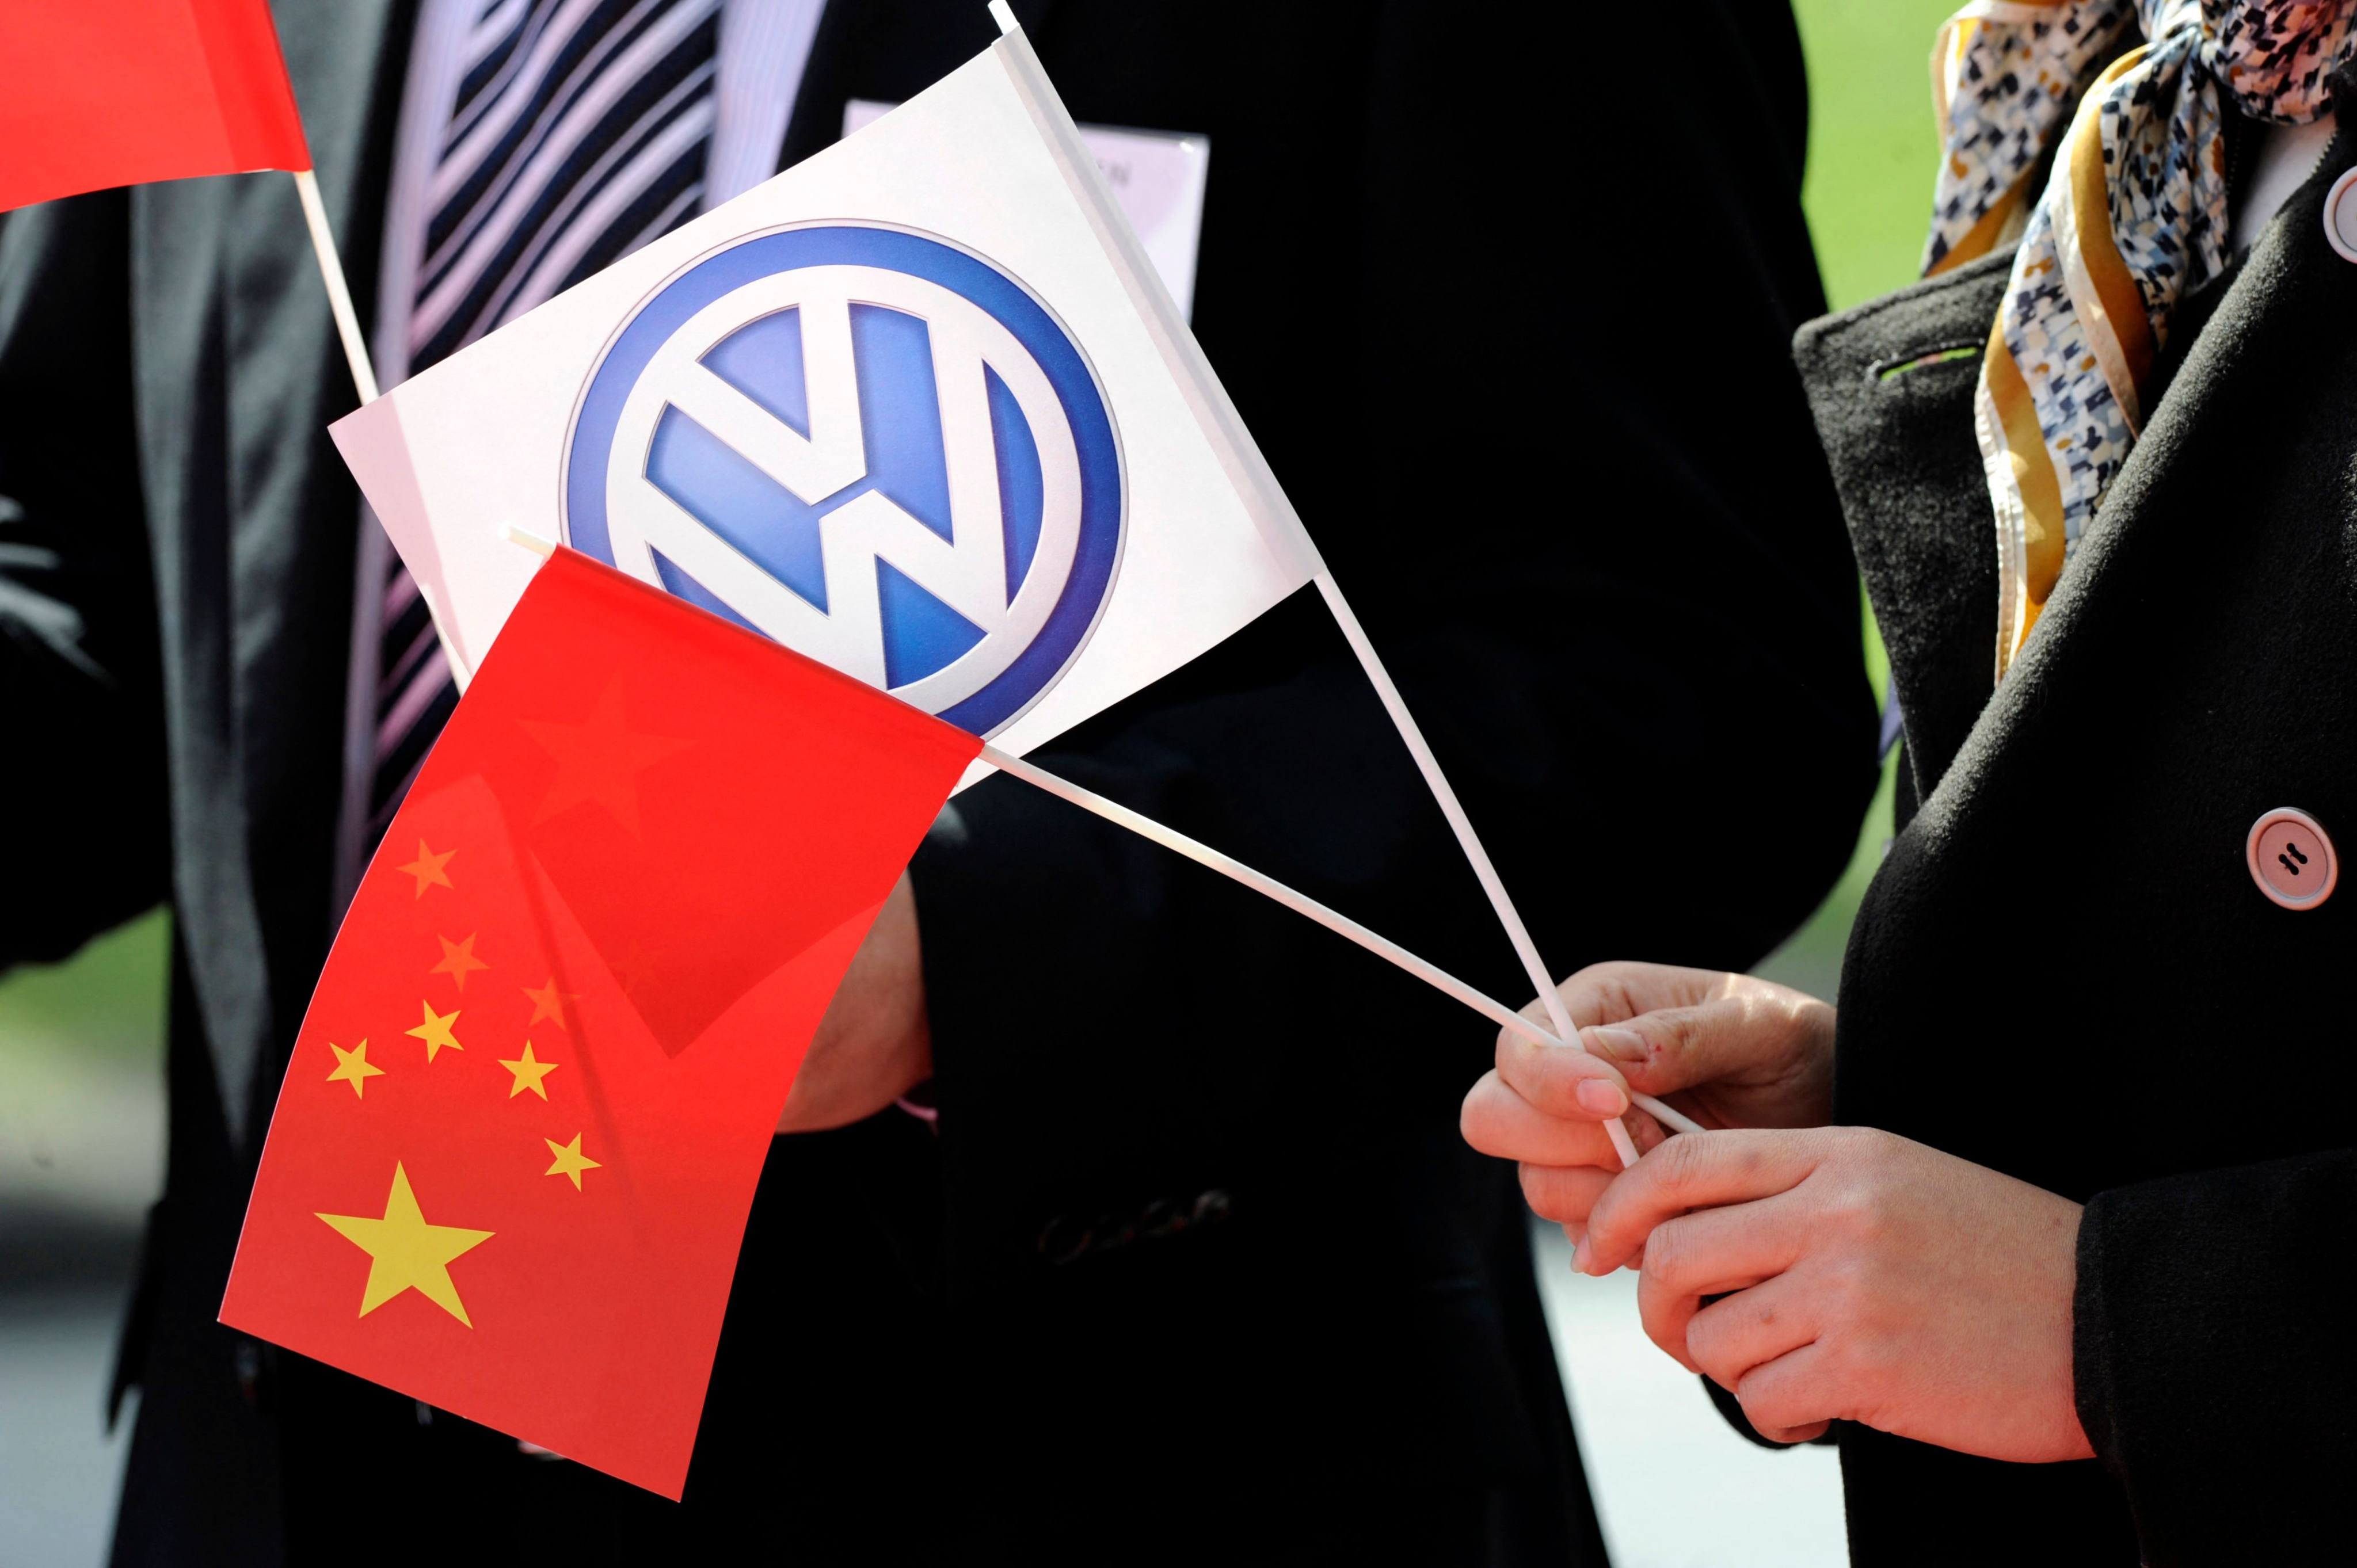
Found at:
[1872, 153]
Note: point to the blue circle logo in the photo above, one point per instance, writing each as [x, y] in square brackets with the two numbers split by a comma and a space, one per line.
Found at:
[871, 446]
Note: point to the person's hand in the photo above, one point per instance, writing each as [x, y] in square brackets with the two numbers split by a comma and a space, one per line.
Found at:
[876, 1042]
[1874, 1280]
[1727, 1049]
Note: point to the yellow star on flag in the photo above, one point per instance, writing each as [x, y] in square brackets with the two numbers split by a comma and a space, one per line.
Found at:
[570, 1160]
[547, 1002]
[427, 868]
[407, 1253]
[458, 959]
[528, 1073]
[352, 1066]
[435, 1030]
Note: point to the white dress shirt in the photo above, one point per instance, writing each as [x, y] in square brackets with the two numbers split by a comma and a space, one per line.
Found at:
[2287, 156]
[764, 47]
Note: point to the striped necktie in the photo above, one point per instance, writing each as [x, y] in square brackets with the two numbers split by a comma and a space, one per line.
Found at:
[578, 134]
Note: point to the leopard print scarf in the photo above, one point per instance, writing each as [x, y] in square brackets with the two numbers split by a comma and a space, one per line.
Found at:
[2131, 217]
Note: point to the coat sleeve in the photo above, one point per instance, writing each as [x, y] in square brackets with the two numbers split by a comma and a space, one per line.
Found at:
[83, 791]
[2211, 1352]
[1594, 536]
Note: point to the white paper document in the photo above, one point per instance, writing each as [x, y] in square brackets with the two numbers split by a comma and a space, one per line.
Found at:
[1156, 176]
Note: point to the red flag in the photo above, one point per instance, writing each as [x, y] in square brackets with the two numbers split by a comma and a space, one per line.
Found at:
[101, 93]
[512, 1156]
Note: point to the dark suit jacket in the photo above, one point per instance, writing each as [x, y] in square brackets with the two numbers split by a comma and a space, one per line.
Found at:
[2068, 912]
[1197, 1261]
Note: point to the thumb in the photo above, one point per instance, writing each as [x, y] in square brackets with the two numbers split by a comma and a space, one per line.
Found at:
[1560, 1082]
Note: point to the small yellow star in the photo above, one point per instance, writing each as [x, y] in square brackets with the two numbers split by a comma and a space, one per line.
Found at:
[427, 868]
[458, 959]
[435, 1030]
[528, 1073]
[405, 1252]
[352, 1067]
[547, 1002]
[570, 1160]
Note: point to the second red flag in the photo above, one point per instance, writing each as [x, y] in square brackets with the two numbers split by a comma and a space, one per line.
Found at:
[512, 1161]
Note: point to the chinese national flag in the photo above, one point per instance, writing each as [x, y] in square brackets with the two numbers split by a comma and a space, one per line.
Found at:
[511, 1160]
[101, 93]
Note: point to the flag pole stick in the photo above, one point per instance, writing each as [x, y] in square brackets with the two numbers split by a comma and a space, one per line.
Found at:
[1227, 866]
[1340, 924]
[1268, 886]
[339, 291]
[1450, 808]
[1516, 932]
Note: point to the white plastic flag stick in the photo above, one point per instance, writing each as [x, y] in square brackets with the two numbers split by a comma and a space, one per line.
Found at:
[1301, 903]
[1462, 825]
[339, 291]
[1229, 866]
[1180, 346]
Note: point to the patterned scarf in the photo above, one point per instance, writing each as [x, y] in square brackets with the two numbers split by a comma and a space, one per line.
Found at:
[2132, 216]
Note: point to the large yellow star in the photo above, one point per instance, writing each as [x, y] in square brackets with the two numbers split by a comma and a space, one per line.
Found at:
[427, 868]
[528, 1073]
[405, 1252]
[352, 1066]
[458, 960]
[435, 1030]
[547, 1002]
[599, 759]
[570, 1160]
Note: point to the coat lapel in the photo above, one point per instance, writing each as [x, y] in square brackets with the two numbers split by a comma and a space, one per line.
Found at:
[254, 521]
[2262, 321]
[1890, 386]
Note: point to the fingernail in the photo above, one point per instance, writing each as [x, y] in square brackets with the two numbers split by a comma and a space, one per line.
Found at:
[1579, 1257]
[1601, 1097]
[1621, 1044]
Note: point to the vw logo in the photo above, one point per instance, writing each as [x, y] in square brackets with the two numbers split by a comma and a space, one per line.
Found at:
[869, 444]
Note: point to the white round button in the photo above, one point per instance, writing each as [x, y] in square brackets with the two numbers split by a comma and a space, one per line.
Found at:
[2340, 216]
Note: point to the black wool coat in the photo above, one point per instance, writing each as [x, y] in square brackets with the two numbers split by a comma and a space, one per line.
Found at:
[2065, 969]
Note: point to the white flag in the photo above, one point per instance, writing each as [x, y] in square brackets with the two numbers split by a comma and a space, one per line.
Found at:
[918, 407]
